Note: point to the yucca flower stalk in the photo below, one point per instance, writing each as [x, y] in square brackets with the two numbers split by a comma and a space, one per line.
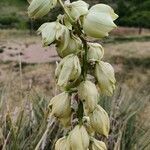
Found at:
[70, 32]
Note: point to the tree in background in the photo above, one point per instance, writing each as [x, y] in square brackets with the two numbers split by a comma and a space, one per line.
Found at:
[134, 13]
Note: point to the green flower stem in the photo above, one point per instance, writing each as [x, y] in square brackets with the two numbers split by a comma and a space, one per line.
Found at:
[85, 48]
[62, 4]
[80, 112]
[78, 30]
[80, 34]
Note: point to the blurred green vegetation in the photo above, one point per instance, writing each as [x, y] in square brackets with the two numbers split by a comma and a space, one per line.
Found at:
[13, 14]
[14, 2]
[132, 13]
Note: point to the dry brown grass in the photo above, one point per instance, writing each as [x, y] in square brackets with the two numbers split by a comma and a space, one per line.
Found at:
[128, 50]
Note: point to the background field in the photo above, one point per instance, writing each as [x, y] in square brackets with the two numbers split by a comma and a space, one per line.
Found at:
[27, 82]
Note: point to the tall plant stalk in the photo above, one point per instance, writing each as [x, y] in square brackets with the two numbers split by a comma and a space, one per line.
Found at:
[76, 108]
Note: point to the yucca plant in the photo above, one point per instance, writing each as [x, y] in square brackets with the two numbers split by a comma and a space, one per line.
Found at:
[82, 77]
[81, 74]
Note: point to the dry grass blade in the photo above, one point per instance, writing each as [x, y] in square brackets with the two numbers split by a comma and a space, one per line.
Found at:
[127, 129]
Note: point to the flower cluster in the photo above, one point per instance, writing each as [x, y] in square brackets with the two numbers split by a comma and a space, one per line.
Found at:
[80, 61]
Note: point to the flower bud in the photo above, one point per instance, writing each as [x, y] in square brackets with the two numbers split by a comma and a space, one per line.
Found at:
[104, 73]
[54, 31]
[98, 145]
[88, 94]
[79, 138]
[100, 121]
[77, 9]
[39, 8]
[73, 47]
[62, 144]
[68, 70]
[103, 8]
[99, 21]
[95, 52]
[60, 105]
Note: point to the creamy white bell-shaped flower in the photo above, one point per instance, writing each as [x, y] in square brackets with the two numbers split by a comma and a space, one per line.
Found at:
[79, 138]
[60, 105]
[54, 31]
[88, 94]
[95, 52]
[39, 8]
[98, 22]
[73, 47]
[100, 121]
[62, 144]
[103, 8]
[68, 70]
[97, 145]
[77, 9]
[105, 76]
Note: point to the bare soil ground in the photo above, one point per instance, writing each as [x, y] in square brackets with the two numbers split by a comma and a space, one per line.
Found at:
[26, 50]
[19, 45]
[123, 31]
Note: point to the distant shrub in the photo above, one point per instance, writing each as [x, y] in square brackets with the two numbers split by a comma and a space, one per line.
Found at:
[134, 13]
[9, 20]
[13, 21]
[22, 22]
[138, 19]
